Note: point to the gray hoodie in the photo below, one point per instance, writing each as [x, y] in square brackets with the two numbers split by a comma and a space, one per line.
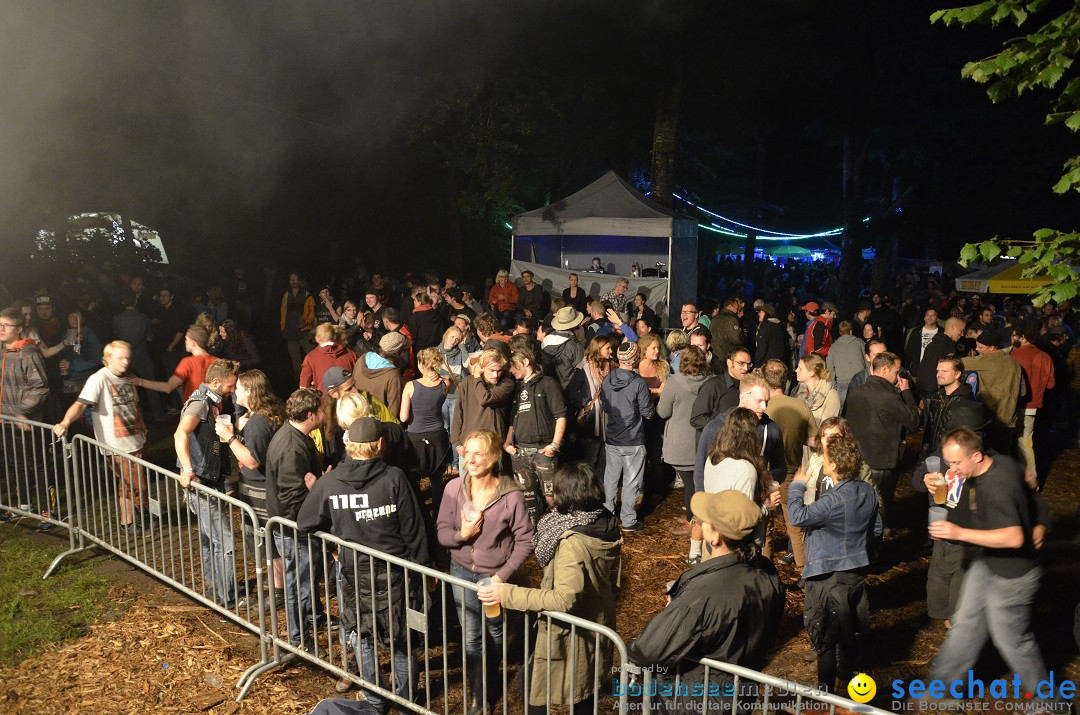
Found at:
[846, 358]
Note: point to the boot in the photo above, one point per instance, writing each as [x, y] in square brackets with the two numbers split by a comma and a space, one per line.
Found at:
[474, 697]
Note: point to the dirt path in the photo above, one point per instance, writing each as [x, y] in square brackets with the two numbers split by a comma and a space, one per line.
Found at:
[162, 653]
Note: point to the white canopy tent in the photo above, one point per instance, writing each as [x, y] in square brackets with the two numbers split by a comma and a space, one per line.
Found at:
[610, 220]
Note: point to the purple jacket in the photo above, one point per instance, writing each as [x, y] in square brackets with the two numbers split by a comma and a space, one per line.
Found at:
[505, 538]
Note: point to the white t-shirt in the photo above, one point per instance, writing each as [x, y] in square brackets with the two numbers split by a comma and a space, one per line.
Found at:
[737, 474]
[927, 336]
[116, 416]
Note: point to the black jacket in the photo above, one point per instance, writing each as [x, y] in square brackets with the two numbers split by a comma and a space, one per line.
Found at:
[426, 327]
[371, 503]
[878, 415]
[772, 342]
[537, 404]
[926, 373]
[289, 457]
[714, 398]
[720, 609]
[726, 333]
[945, 413]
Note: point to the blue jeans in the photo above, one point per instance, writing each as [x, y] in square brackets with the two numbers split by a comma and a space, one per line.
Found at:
[998, 608]
[448, 411]
[474, 616]
[216, 546]
[629, 464]
[370, 671]
[297, 564]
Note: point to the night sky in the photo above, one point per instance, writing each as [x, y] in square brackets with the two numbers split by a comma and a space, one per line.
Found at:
[401, 131]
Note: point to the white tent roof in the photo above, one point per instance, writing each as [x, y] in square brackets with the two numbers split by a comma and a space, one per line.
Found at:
[607, 207]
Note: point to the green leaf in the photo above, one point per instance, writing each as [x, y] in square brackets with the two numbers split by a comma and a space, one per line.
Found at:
[989, 251]
[1014, 252]
[1002, 89]
[968, 254]
[1049, 76]
[1073, 122]
[1044, 233]
[937, 15]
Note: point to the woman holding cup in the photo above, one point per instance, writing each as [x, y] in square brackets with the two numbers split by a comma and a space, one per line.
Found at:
[579, 545]
[485, 527]
[842, 527]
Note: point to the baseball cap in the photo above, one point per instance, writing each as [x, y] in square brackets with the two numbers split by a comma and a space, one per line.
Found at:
[335, 377]
[365, 429]
[732, 513]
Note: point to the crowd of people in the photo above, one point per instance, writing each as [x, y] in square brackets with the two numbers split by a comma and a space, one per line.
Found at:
[486, 427]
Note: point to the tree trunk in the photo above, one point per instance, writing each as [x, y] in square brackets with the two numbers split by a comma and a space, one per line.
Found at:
[663, 152]
[855, 231]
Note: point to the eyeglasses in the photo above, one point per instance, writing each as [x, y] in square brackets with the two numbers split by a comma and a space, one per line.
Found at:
[742, 363]
[8, 325]
[689, 312]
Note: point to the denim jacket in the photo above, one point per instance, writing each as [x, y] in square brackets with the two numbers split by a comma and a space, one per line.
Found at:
[843, 527]
[206, 448]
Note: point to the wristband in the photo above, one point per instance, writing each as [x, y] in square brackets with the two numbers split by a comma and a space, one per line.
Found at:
[230, 440]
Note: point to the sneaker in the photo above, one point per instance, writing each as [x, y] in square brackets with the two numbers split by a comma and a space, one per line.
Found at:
[636, 526]
[44, 525]
[343, 685]
[693, 560]
[132, 529]
[678, 483]
[788, 559]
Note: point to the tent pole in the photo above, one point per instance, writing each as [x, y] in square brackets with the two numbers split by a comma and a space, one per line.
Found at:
[667, 298]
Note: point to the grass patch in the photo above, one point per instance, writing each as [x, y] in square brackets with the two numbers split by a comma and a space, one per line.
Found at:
[36, 612]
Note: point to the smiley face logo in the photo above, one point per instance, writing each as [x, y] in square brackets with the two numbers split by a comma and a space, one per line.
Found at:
[862, 688]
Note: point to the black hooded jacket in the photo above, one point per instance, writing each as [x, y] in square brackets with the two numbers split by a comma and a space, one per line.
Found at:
[368, 502]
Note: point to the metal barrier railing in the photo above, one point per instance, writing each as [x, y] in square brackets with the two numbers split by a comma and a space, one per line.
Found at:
[37, 480]
[405, 614]
[187, 538]
[728, 687]
[391, 609]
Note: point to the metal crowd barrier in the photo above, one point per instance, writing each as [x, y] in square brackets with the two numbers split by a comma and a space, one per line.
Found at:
[422, 639]
[82, 482]
[176, 528]
[730, 688]
[37, 479]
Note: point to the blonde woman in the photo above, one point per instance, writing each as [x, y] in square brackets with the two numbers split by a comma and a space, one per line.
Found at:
[485, 526]
[206, 321]
[347, 317]
[484, 399]
[653, 368]
[676, 342]
[421, 409]
[816, 389]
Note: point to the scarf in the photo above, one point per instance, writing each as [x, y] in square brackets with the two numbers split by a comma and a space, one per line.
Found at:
[452, 355]
[552, 525]
[815, 400]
